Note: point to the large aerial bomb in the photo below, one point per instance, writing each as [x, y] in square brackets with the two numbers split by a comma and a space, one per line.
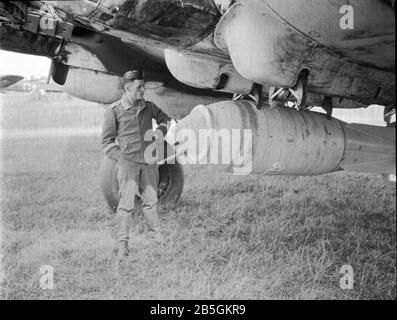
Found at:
[279, 141]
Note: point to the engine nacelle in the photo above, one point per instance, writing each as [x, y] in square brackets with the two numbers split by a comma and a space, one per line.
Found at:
[91, 85]
[266, 49]
[93, 72]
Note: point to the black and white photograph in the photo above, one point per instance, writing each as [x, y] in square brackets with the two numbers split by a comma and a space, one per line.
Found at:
[215, 151]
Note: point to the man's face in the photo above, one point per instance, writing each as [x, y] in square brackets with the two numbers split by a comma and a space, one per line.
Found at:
[135, 89]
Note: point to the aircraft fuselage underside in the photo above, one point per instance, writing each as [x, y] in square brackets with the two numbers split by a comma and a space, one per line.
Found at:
[269, 43]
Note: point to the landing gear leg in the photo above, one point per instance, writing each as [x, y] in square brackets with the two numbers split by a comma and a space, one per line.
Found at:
[256, 95]
[327, 106]
[257, 91]
[297, 94]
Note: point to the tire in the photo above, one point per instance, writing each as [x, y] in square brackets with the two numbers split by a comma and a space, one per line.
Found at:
[171, 181]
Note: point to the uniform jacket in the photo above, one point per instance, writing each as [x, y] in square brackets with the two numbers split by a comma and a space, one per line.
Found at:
[129, 128]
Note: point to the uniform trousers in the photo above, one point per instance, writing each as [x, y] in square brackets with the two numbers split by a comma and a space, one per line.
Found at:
[136, 179]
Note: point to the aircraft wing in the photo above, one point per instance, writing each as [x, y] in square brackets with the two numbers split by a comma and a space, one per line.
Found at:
[306, 52]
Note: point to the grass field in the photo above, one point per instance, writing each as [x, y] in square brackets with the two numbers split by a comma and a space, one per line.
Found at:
[229, 237]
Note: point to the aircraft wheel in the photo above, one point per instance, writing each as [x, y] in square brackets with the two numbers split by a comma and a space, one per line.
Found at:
[171, 181]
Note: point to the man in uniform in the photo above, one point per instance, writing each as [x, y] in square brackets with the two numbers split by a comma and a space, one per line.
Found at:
[129, 120]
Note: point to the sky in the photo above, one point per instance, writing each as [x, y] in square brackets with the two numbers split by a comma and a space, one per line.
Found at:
[23, 64]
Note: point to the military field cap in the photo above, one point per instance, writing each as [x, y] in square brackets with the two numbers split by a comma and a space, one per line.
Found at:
[131, 76]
